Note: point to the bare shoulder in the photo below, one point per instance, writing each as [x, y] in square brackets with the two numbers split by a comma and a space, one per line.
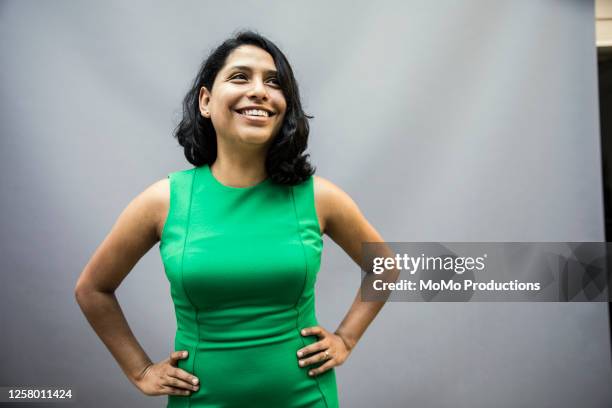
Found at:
[331, 203]
[133, 234]
[344, 222]
[152, 204]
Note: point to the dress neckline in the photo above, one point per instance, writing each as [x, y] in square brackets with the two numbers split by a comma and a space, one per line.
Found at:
[217, 183]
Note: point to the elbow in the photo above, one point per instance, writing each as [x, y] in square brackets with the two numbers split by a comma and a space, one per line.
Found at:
[82, 290]
[79, 292]
[85, 291]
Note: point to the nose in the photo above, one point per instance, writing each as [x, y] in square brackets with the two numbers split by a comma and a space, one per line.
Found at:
[258, 90]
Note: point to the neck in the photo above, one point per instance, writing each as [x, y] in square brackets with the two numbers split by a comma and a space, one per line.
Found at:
[238, 167]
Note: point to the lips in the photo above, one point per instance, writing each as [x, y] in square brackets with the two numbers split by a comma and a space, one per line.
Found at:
[253, 116]
[242, 111]
[254, 120]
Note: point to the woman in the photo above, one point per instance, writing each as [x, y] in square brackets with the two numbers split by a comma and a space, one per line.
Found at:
[240, 238]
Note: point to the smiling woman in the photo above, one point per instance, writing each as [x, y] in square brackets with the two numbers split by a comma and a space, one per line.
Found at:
[247, 73]
[247, 104]
[241, 240]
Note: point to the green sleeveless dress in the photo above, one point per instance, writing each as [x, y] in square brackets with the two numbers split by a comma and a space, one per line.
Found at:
[242, 265]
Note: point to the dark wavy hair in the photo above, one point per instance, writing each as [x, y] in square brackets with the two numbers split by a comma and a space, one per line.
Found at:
[286, 162]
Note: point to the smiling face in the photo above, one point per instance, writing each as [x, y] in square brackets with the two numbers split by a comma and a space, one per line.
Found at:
[246, 103]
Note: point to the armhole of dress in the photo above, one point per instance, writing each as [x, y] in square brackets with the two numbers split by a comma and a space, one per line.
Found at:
[314, 205]
[169, 212]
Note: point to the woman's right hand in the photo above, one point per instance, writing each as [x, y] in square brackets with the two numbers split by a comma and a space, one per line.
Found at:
[164, 378]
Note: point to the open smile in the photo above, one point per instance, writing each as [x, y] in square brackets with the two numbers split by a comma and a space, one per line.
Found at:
[256, 115]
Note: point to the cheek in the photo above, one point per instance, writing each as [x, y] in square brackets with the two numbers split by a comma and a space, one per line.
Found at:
[221, 115]
[282, 101]
[225, 100]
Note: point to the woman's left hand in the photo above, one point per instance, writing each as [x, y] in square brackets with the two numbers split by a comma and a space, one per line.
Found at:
[330, 348]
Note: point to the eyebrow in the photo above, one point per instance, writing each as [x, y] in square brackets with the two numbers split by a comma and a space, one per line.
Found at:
[245, 68]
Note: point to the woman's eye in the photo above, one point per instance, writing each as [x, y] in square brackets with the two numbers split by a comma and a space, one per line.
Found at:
[242, 77]
[274, 80]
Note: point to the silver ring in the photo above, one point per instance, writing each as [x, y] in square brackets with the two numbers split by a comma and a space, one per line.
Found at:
[326, 354]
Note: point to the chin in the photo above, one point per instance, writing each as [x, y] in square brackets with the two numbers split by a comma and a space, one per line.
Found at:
[255, 138]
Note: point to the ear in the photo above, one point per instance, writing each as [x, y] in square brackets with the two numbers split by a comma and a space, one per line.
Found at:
[204, 100]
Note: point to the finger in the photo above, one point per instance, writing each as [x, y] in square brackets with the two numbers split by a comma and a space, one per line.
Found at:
[177, 383]
[174, 391]
[184, 375]
[313, 348]
[320, 370]
[317, 358]
[313, 331]
[177, 355]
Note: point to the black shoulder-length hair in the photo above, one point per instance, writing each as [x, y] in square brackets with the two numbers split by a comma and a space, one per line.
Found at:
[286, 162]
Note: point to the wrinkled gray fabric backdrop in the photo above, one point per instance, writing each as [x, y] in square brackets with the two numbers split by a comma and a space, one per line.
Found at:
[445, 121]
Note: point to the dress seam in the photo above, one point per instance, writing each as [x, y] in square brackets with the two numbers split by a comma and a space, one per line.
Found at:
[299, 233]
[187, 230]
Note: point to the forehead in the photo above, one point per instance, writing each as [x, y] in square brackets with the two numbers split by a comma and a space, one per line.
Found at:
[250, 56]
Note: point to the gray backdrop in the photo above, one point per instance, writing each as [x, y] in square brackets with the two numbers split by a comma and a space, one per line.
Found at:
[445, 121]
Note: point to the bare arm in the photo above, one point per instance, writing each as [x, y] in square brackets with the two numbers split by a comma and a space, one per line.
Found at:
[136, 230]
[340, 218]
[345, 225]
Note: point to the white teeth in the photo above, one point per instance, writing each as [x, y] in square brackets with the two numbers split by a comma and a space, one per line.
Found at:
[255, 112]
